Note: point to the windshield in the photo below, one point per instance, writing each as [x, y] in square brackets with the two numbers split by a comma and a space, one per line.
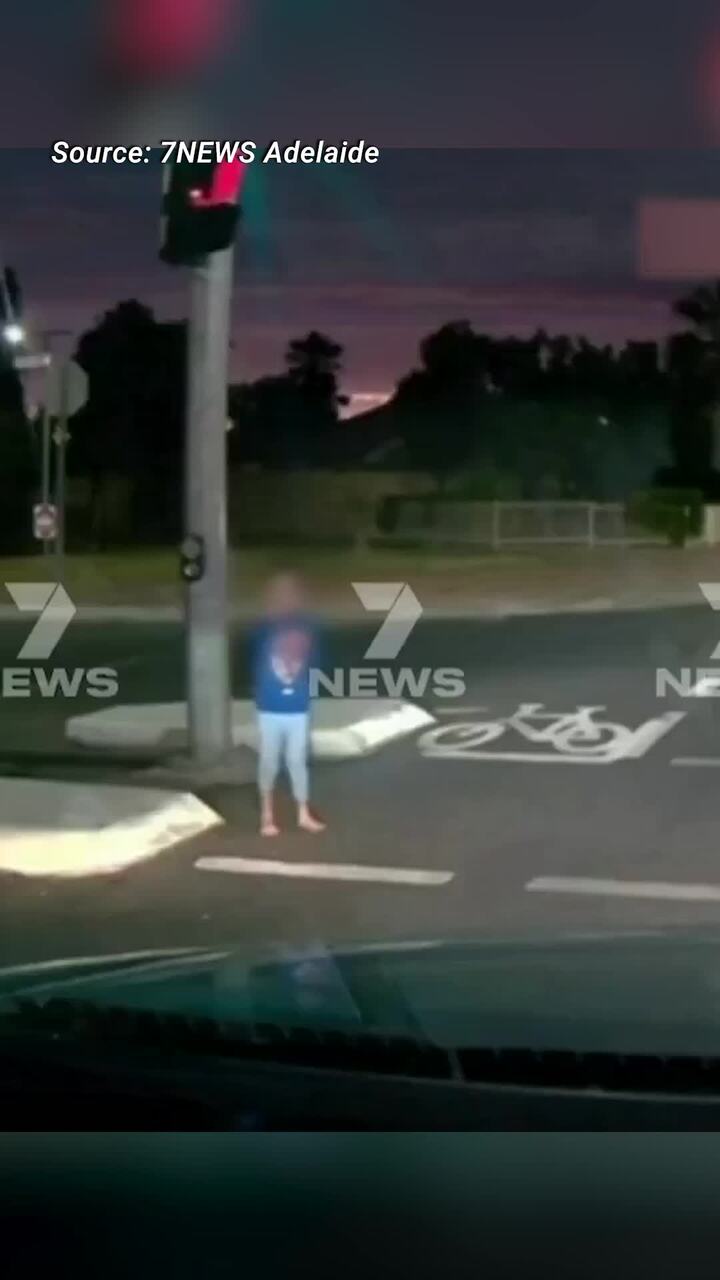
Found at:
[359, 537]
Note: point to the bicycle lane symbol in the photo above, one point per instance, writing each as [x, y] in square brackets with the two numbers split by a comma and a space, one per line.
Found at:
[577, 737]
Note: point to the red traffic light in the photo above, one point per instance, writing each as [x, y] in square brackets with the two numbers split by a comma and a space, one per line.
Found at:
[200, 209]
[224, 187]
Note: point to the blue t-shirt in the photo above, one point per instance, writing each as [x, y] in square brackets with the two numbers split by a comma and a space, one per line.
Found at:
[284, 650]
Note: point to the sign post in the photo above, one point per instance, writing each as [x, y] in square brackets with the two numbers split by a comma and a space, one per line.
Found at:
[67, 392]
[30, 362]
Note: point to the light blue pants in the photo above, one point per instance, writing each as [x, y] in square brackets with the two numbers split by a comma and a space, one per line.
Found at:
[284, 739]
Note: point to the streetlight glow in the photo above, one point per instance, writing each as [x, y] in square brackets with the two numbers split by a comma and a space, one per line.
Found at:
[14, 334]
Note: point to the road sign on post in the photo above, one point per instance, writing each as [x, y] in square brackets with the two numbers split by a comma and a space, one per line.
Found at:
[35, 360]
[45, 521]
[67, 389]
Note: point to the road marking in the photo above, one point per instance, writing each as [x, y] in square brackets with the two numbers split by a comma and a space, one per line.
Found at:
[569, 735]
[516, 757]
[696, 761]
[625, 888]
[458, 710]
[326, 871]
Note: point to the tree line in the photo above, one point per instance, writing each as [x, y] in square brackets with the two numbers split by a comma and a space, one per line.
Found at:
[544, 410]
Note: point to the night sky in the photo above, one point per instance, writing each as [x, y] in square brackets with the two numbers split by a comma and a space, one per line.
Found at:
[377, 256]
[420, 73]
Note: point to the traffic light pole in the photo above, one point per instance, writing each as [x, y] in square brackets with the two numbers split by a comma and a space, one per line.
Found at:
[45, 465]
[61, 439]
[208, 655]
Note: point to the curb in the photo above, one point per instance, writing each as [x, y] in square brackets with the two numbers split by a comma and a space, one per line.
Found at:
[341, 729]
[52, 828]
[490, 611]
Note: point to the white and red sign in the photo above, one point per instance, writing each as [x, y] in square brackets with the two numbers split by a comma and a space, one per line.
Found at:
[45, 521]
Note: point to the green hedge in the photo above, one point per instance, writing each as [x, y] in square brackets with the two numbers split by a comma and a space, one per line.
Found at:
[676, 514]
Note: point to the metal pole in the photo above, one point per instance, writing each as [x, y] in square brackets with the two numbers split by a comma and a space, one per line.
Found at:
[208, 666]
[45, 465]
[61, 438]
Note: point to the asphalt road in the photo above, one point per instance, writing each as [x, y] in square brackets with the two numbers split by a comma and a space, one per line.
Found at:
[515, 810]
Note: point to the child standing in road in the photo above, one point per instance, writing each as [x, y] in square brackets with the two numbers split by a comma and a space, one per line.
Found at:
[284, 650]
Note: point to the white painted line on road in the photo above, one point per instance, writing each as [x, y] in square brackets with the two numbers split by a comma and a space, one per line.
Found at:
[625, 888]
[326, 871]
[696, 761]
[568, 735]
[458, 709]
[515, 757]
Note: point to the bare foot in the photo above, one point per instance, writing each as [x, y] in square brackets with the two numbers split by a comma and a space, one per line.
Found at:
[269, 829]
[307, 823]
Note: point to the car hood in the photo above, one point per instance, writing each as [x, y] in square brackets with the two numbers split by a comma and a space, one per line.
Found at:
[649, 993]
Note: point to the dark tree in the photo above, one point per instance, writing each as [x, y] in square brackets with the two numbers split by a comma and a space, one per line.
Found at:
[314, 366]
[291, 419]
[438, 406]
[132, 425]
[267, 421]
[693, 362]
[18, 463]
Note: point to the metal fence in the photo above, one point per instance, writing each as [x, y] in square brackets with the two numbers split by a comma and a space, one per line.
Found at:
[503, 524]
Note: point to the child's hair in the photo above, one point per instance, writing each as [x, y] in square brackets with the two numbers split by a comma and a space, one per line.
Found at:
[284, 589]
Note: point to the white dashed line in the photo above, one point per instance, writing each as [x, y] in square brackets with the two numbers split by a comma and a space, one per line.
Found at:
[696, 761]
[459, 711]
[625, 888]
[326, 871]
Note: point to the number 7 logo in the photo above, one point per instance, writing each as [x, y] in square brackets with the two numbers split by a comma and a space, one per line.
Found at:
[56, 609]
[403, 609]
